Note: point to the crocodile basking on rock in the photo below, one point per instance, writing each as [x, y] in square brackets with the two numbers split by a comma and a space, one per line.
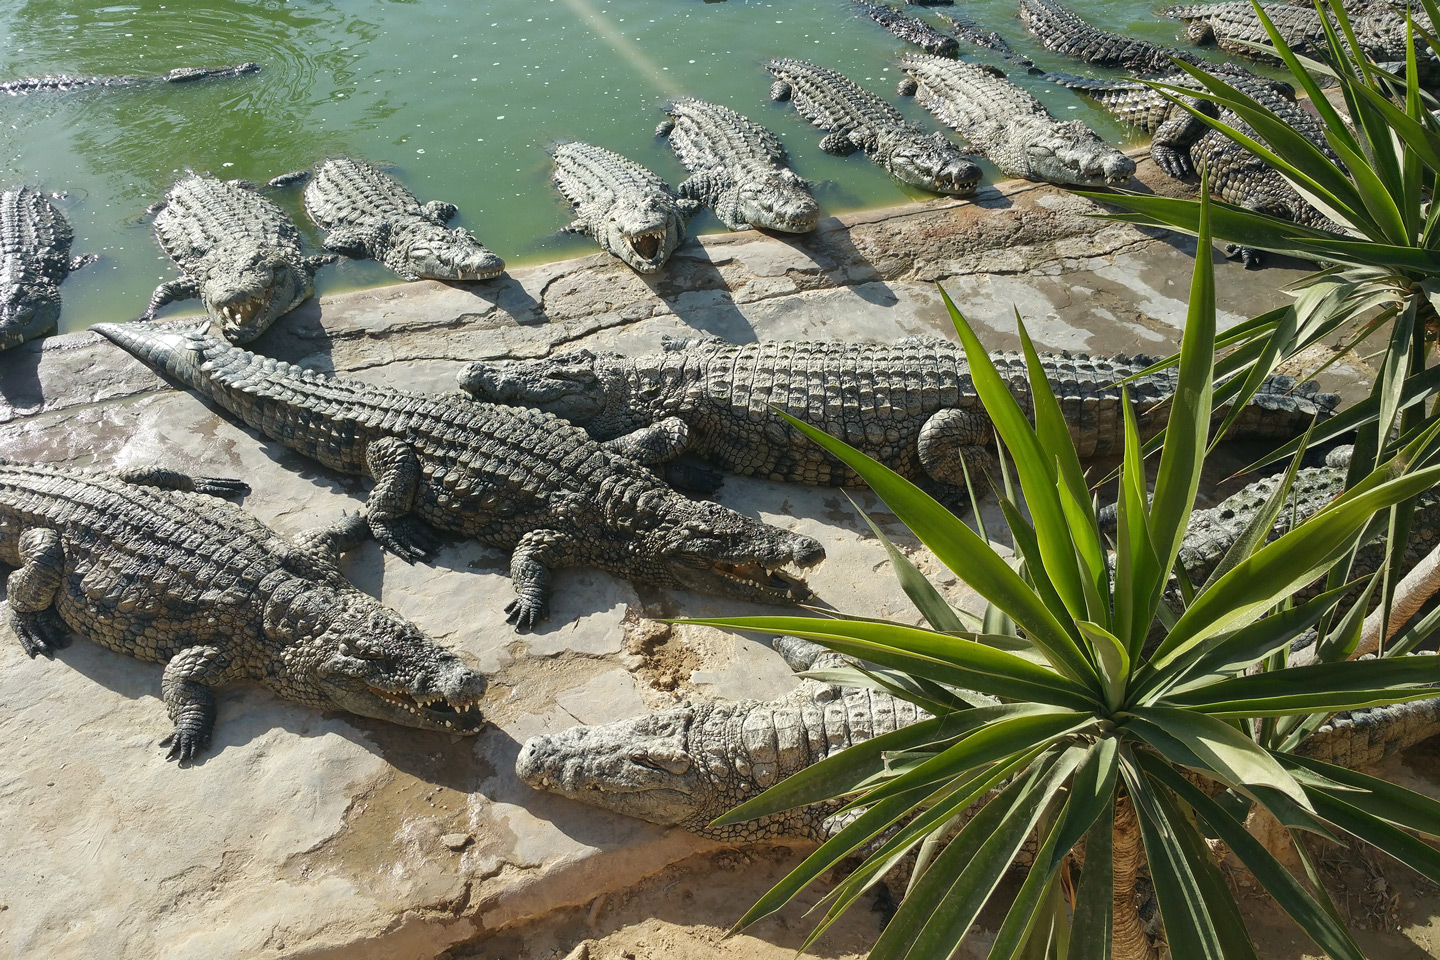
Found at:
[35, 259]
[1010, 127]
[238, 252]
[149, 563]
[368, 214]
[629, 211]
[910, 29]
[910, 405]
[513, 478]
[970, 32]
[1062, 30]
[737, 168]
[63, 83]
[1235, 27]
[855, 118]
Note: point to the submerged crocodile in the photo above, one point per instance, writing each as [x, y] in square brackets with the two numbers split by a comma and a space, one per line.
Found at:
[1010, 127]
[63, 83]
[238, 252]
[35, 259]
[970, 32]
[737, 168]
[687, 765]
[150, 564]
[910, 29]
[514, 478]
[1235, 27]
[1062, 30]
[855, 118]
[910, 405]
[629, 211]
[367, 213]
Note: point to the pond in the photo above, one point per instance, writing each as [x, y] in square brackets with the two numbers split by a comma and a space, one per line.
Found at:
[460, 98]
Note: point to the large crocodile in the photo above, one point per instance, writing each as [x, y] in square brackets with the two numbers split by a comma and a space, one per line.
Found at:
[150, 564]
[910, 405]
[238, 252]
[367, 213]
[689, 764]
[629, 211]
[737, 168]
[514, 478]
[1010, 127]
[1062, 30]
[35, 259]
[910, 29]
[61, 83]
[855, 118]
[970, 32]
[1235, 27]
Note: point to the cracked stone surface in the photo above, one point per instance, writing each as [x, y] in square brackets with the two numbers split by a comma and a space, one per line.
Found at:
[318, 835]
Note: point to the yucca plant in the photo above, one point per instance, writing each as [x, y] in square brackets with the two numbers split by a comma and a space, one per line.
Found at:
[1100, 734]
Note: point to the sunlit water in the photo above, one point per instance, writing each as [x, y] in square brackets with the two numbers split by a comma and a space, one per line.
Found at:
[461, 98]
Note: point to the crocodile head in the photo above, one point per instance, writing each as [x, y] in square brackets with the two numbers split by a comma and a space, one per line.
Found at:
[932, 163]
[577, 385]
[714, 550]
[250, 286]
[27, 309]
[1071, 153]
[643, 232]
[780, 200]
[640, 767]
[347, 651]
[439, 253]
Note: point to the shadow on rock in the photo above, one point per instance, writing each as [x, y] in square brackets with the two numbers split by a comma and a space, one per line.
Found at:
[695, 290]
[20, 387]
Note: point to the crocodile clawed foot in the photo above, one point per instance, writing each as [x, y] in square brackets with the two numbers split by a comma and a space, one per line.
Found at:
[525, 612]
[223, 487]
[405, 538]
[185, 744]
[1249, 257]
[40, 633]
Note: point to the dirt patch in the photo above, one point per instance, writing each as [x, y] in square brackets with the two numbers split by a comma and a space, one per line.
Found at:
[666, 659]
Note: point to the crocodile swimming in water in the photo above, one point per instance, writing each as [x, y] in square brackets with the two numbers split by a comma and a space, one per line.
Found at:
[62, 83]
[737, 168]
[1234, 27]
[629, 211]
[514, 478]
[910, 405]
[1060, 29]
[1010, 127]
[910, 29]
[368, 214]
[974, 34]
[855, 118]
[238, 252]
[149, 563]
[35, 259]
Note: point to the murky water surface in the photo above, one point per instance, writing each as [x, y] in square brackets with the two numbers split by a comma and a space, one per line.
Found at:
[461, 98]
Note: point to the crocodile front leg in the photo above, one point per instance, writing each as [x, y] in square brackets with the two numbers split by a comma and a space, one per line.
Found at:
[952, 440]
[1170, 145]
[189, 700]
[185, 288]
[439, 211]
[397, 474]
[330, 543]
[530, 565]
[31, 593]
[223, 487]
[838, 144]
[654, 444]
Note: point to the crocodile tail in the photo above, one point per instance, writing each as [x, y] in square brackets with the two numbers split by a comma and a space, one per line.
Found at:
[176, 353]
[1091, 84]
[1362, 738]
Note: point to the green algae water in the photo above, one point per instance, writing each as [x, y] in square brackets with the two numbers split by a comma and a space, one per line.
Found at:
[460, 99]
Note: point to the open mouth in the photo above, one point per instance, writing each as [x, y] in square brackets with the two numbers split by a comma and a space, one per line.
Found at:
[462, 717]
[774, 580]
[241, 313]
[646, 244]
[489, 271]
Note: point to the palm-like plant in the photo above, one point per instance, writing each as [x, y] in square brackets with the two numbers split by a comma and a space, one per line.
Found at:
[1096, 728]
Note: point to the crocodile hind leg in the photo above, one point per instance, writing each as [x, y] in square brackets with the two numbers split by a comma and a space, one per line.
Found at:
[439, 211]
[397, 477]
[353, 242]
[330, 543]
[189, 700]
[164, 479]
[530, 565]
[31, 593]
[185, 288]
[953, 441]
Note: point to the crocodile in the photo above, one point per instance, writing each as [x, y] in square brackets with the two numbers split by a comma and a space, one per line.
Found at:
[367, 213]
[967, 30]
[1235, 27]
[687, 765]
[1060, 29]
[1182, 145]
[629, 211]
[63, 83]
[513, 478]
[910, 405]
[238, 252]
[1010, 127]
[150, 563]
[910, 29]
[35, 259]
[737, 168]
[855, 118]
